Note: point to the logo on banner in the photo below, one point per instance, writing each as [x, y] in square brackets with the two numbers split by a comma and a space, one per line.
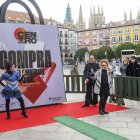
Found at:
[25, 37]
[55, 99]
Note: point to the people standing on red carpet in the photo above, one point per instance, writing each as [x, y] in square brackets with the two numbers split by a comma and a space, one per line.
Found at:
[11, 90]
[103, 85]
[90, 68]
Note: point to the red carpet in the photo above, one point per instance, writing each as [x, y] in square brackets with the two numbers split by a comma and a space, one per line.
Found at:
[43, 115]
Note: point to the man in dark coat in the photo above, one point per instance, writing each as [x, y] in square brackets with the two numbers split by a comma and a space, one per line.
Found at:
[90, 68]
[133, 69]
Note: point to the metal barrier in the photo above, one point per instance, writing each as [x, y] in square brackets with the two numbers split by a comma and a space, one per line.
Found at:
[127, 87]
[74, 83]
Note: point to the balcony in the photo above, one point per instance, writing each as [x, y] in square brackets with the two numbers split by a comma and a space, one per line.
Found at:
[65, 50]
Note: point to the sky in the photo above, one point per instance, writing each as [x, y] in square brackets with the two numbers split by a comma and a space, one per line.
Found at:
[113, 9]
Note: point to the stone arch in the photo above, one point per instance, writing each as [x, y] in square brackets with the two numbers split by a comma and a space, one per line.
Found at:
[38, 11]
[7, 3]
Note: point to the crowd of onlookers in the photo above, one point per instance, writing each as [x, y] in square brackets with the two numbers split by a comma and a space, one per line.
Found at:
[99, 79]
[130, 67]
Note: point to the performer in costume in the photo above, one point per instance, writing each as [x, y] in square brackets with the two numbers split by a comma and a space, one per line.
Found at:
[11, 88]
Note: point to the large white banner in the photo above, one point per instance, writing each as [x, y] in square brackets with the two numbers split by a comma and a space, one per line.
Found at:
[35, 49]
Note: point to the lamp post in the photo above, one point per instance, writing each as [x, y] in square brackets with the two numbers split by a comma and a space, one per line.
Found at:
[106, 54]
[86, 55]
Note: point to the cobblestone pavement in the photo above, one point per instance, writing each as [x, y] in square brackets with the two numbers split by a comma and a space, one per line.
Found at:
[125, 123]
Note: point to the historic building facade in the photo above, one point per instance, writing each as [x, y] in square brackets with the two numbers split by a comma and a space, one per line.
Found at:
[122, 32]
[96, 18]
[68, 44]
[94, 39]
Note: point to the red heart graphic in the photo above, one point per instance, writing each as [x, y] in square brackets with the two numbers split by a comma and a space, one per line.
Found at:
[32, 91]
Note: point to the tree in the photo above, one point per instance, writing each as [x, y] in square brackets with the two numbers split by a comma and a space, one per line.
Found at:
[137, 49]
[124, 46]
[105, 52]
[95, 53]
[80, 54]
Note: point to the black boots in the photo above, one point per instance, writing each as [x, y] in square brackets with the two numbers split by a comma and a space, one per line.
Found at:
[85, 105]
[105, 112]
[24, 114]
[101, 112]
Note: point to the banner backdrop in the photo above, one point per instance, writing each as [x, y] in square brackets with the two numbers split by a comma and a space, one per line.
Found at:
[34, 49]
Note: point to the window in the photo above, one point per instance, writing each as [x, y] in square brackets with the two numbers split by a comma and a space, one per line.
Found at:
[128, 38]
[61, 34]
[113, 39]
[80, 34]
[66, 34]
[60, 40]
[66, 42]
[94, 41]
[113, 31]
[20, 22]
[11, 21]
[70, 35]
[101, 34]
[136, 28]
[127, 29]
[120, 38]
[94, 32]
[87, 42]
[106, 33]
[119, 30]
[136, 37]
[80, 42]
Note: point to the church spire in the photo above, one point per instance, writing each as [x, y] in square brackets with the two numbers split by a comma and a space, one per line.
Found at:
[98, 10]
[81, 25]
[125, 16]
[102, 11]
[138, 14]
[80, 14]
[94, 10]
[90, 11]
[130, 15]
[68, 17]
